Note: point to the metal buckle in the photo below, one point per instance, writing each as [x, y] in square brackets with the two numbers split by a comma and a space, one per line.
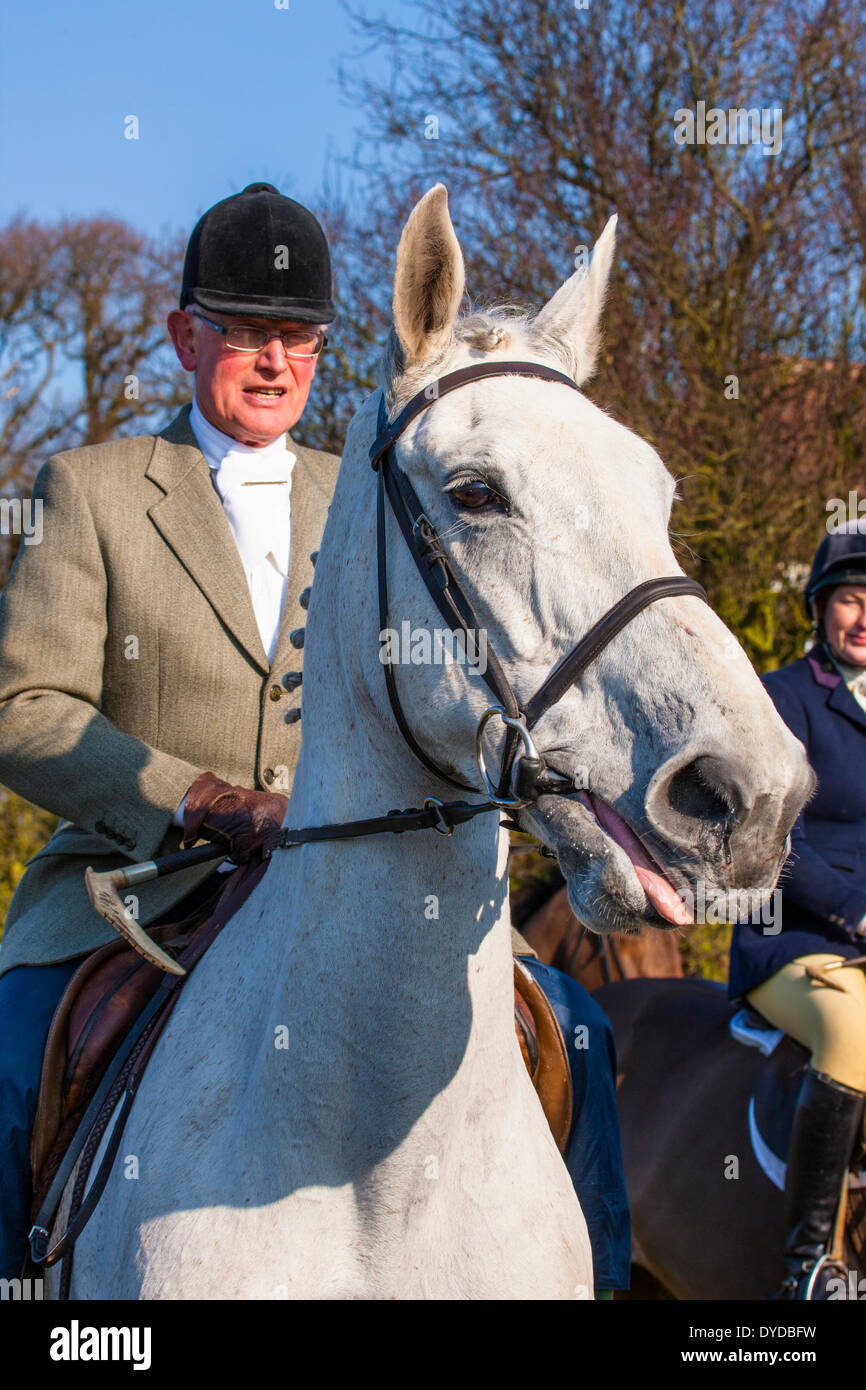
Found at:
[529, 749]
[825, 1259]
[38, 1239]
[417, 523]
[433, 803]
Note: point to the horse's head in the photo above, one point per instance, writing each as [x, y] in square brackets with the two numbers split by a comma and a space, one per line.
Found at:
[551, 512]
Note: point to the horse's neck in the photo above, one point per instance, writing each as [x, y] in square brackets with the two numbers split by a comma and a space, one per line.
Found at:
[422, 913]
[388, 961]
[400, 942]
[355, 764]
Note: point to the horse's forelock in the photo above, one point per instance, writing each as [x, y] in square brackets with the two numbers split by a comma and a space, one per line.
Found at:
[503, 326]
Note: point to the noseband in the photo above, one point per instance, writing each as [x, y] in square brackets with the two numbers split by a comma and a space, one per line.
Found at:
[526, 777]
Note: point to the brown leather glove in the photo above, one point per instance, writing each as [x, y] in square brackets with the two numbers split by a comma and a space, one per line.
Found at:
[245, 821]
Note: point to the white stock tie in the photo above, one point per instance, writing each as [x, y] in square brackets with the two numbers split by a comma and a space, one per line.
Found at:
[256, 497]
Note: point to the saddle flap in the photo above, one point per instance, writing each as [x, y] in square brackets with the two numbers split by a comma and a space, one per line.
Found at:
[97, 1009]
[96, 1012]
[551, 1074]
[51, 1084]
[524, 1025]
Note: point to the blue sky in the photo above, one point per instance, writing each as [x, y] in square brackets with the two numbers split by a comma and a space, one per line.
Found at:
[226, 92]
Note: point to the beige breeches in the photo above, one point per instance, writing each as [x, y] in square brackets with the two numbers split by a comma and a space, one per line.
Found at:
[831, 1023]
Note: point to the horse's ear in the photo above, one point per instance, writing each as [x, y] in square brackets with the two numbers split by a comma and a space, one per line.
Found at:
[573, 315]
[429, 282]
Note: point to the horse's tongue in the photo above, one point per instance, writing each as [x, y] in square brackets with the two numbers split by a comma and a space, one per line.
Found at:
[660, 893]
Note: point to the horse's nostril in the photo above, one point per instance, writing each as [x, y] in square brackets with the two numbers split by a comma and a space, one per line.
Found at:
[691, 793]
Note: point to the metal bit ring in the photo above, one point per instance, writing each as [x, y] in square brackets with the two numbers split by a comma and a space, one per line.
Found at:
[529, 749]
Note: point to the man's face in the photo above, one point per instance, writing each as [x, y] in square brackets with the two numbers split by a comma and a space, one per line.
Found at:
[251, 396]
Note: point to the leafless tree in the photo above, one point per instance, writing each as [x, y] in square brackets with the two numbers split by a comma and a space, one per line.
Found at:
[84, 354]
[735, 328]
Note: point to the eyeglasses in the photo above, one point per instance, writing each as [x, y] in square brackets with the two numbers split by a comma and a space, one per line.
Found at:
[244, 337]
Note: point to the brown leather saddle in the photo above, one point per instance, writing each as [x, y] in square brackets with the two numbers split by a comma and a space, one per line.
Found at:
[543, 1048]
[97, 1010]
[111, 988]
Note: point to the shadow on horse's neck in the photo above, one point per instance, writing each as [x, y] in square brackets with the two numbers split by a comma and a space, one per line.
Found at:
[415, 886]
[410, 892]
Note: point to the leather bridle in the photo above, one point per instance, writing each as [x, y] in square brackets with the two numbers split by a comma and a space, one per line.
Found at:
[522, 779]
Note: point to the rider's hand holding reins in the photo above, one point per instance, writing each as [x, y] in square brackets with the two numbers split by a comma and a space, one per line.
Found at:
[246, 821]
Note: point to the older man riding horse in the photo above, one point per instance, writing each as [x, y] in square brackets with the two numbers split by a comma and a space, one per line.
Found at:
[200, 542]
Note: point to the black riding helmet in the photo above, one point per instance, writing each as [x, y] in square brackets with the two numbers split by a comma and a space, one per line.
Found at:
[261, 254]
[839, 559]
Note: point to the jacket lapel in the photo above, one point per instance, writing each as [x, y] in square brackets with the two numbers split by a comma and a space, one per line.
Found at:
[191, 520]
[840, 699]
[843, 702]
[299, 557]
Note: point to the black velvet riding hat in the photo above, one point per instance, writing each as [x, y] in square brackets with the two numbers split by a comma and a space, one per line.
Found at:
[261, 254]
[839, 559]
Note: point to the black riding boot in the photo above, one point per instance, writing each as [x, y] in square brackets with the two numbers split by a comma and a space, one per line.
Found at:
[825, 1131]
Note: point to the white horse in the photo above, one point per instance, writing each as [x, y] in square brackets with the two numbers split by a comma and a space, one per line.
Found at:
[338, 1107]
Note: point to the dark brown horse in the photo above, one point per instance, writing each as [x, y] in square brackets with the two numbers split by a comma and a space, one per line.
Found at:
[706, 1220]
[560, 940]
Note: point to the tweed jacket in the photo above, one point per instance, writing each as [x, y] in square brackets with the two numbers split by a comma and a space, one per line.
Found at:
[130, 662]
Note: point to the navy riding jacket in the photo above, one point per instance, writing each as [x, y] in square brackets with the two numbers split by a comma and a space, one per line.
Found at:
[593, 1154]
[823, 884]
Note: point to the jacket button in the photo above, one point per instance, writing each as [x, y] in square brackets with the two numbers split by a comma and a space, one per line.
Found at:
[268, 775]
[292, 679]
[297, 637]
[292, 716]
[275, 692]
[304, 597]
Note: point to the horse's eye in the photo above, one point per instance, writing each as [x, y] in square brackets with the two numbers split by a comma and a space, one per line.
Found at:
[474, 495]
